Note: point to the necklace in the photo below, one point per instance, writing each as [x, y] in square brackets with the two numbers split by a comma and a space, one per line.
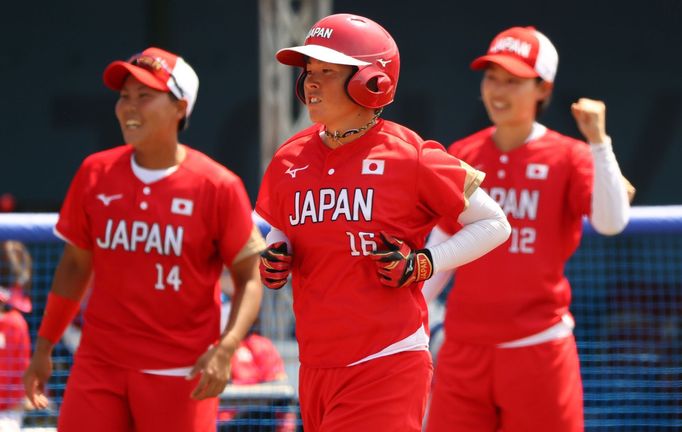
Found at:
[338, 135]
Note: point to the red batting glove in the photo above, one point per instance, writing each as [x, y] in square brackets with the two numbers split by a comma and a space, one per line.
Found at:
[398, 265]
[275, 265]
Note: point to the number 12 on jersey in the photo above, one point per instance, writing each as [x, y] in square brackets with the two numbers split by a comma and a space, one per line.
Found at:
[522, 240]
[172, 278]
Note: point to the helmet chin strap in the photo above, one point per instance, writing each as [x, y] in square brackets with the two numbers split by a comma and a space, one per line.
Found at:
[338, 135]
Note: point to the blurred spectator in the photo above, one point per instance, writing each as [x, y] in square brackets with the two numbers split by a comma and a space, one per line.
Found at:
[7, 203]
[15, 343]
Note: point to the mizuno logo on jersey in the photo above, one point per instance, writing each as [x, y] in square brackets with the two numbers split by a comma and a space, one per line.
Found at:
[537, 171]
[182, 206]
[107, 199]
[330, 205]
[293, 171]
[138, 235]
[373, 166]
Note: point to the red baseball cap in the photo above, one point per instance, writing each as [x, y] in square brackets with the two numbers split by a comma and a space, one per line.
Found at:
[158, 69]
[522, 51]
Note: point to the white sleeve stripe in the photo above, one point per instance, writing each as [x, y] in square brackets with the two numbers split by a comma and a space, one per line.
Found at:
[62, 236]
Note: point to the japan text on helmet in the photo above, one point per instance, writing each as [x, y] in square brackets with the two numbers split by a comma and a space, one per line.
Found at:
[356, 41]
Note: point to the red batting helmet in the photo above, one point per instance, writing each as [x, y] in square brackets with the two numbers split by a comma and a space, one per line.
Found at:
[356, 41]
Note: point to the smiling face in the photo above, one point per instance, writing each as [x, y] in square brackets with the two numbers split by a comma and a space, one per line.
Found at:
[326, 98]
[509, 99]
[147, 117]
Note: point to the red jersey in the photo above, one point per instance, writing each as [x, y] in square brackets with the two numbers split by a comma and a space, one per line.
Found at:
[158, 251]
[519, 288]
[332, 204]
[15, 349]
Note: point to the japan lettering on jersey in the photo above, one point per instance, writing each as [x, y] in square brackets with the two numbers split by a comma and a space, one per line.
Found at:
[544, 188]
[332, 204]
[158, 251]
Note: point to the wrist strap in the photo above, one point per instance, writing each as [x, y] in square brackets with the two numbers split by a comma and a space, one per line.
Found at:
[424, 264]
[59, 312]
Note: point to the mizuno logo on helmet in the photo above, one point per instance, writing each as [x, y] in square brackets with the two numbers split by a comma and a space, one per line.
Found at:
[383, 62]
[322, 32]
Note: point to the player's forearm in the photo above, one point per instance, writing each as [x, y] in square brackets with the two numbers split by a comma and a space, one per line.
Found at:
[72, 275]
[610, 203]
[70, 281]
[43, 346]
[484, 227]
[245, 304]
[434, 286]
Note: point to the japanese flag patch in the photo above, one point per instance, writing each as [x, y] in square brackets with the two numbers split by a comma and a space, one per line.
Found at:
[182, 206]
[537, 171]
[373, 166]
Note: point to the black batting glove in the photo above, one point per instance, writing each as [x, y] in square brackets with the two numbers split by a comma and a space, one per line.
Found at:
[398, 265]
[275, 265]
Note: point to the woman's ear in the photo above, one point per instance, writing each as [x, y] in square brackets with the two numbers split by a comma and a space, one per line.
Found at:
[182, 108]
[545, 89]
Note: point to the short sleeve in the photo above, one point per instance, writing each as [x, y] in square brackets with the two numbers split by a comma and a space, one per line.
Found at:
[444, 182]
[234, 213]
[581, 179]
[265, 204]
[73, 224]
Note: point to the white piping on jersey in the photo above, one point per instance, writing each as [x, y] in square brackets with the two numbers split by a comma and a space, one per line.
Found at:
[417, 341]
[536, 132]
[178, 372]
[148, 176]
[560, 330]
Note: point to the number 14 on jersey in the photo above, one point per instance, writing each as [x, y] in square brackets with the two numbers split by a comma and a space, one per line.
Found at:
[172, 278]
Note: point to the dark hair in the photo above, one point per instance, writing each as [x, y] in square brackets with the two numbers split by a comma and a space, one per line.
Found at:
[15, 264]
[184, 122]
[542, 105]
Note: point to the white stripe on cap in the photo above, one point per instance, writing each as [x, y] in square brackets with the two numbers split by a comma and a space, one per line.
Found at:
[187, 80]
[548, 58]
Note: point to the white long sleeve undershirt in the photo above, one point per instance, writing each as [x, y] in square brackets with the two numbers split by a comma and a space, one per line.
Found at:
[484, 227]
[610, 203]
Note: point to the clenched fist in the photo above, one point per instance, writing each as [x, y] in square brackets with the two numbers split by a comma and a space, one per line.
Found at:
[590, 116]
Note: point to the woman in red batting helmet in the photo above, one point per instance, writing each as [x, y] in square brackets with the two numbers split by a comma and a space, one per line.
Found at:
[350, 201]
[334, 40]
